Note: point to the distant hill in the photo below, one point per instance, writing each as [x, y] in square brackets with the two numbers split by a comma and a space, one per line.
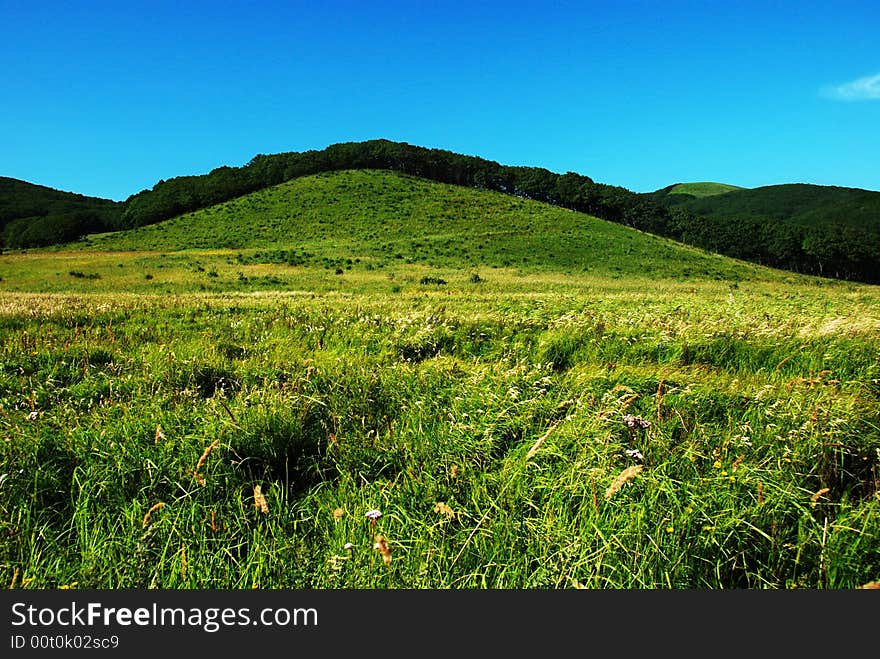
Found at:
[34, 215]
[683, 191]
[825, 230]
[798, 203]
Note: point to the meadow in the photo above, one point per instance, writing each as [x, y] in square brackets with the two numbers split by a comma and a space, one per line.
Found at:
[573, 405]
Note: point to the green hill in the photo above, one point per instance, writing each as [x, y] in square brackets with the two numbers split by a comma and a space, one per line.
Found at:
[817, 249]
[33, 215]
[807, 229]
[698, 190]
[797, 203]
[373, 218]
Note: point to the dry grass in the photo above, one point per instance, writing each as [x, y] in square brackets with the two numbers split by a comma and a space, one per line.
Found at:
[205, 455]
[541, 439]
[260, 500]
[381, 545]
[818, 495]
[150, 512]
[622, 479]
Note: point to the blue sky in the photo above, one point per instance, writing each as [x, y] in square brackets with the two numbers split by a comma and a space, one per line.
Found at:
[106, 98]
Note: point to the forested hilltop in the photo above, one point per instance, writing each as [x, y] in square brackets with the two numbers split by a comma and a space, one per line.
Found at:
[822, 226]
[822, 248]
[33, 215]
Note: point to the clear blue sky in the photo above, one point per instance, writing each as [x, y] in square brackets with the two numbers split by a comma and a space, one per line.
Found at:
[106, 98]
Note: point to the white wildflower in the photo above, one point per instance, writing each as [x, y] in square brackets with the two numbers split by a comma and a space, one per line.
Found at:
[634, 453]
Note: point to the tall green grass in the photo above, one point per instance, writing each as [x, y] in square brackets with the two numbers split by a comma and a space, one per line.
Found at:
[425, 404]
[463, 362]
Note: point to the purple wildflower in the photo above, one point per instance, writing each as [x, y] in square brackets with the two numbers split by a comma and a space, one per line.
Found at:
[635, 421]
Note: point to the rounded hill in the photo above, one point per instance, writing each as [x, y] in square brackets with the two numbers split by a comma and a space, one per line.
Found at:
[373, 217]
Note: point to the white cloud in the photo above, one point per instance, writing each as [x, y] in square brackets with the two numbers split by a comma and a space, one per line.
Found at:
[858, 90]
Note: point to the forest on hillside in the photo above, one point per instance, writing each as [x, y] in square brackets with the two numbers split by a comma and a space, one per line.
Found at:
[35, 215]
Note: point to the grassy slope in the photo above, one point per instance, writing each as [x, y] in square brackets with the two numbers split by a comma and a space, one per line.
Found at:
[702, 189]
[364, 223]
[383, 217]
[368, 389]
